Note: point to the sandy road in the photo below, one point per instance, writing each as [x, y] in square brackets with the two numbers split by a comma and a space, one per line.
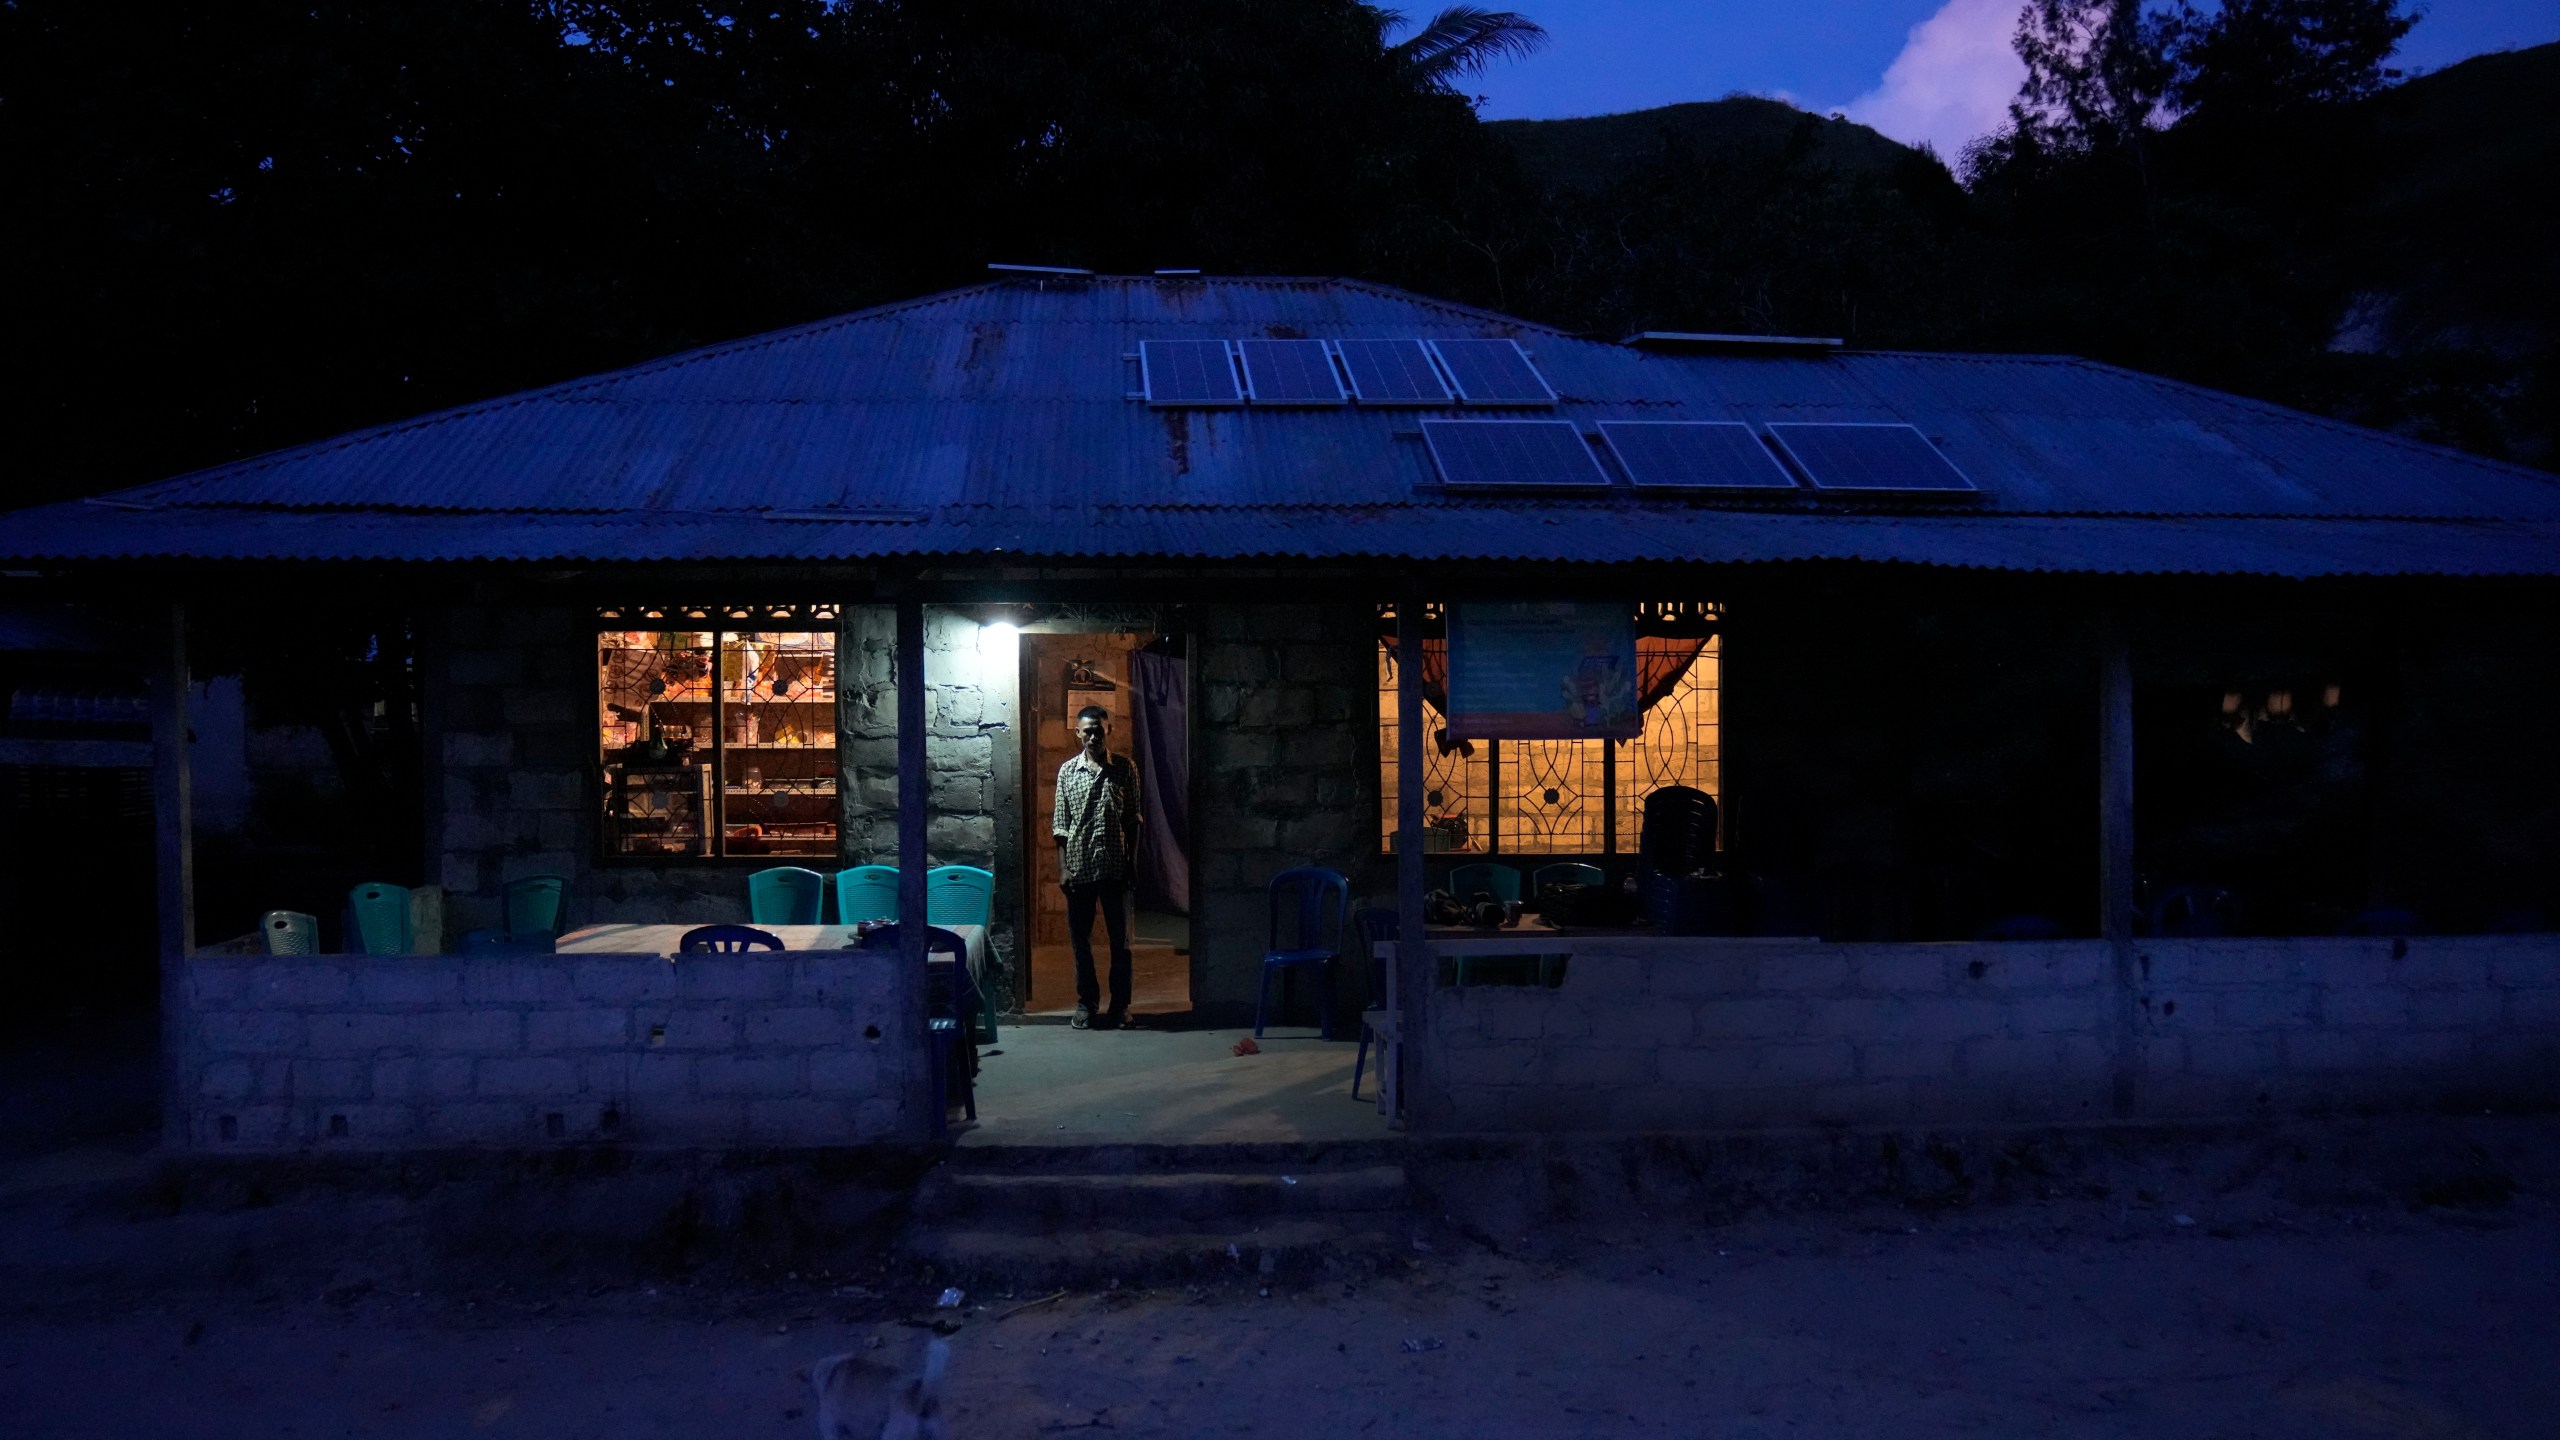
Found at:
[2063, 1321]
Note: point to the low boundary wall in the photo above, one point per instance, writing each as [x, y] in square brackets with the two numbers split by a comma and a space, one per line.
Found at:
[392, 1052]
[1652, 1035]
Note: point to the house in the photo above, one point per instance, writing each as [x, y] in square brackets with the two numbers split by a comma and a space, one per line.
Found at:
[2087, 744]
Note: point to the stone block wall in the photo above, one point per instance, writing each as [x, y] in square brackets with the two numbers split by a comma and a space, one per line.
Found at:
[1286, 768]
[1660, 1035]
[373, 1053]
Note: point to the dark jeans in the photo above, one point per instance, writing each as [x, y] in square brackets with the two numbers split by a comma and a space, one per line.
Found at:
[1112, 896]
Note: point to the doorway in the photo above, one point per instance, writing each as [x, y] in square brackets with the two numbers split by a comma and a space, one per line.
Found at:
[1142, 682]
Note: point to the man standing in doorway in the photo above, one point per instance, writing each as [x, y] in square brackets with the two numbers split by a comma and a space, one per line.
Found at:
[1095, 822]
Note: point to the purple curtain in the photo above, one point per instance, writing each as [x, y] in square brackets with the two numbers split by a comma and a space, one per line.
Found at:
[1160, 701]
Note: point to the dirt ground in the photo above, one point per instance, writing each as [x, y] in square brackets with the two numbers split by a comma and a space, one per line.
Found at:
[2065, 1319]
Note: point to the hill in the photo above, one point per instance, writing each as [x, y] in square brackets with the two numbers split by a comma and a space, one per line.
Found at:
[1586, 154]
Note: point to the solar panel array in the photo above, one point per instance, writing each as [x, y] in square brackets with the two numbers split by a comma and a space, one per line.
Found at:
[1513, 455]
[1493, 372]
[1290, 372]
[1392, 372]
[1892, 459]
[1695, 455]
[1188, 372]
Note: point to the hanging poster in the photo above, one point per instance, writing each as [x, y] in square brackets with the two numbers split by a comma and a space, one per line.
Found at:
[1542, 670]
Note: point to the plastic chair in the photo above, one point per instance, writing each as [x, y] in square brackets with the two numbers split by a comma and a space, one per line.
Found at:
[533, 905]
[866, 892]
[727, 940]
[1502, 882]
[1377, 927]
[786, 895]
[1316, 901]
[944, 1008]
[959, 895]
[1565, 873]
[290, 932]
[2194, 911]
[378, 919]
[964, 895]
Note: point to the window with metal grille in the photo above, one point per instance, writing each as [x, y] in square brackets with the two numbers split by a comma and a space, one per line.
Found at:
[1560, 797]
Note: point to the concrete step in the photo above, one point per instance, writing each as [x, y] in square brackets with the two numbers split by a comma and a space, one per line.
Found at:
[950, 1195]
[1093, 1217]
[1070, 1255]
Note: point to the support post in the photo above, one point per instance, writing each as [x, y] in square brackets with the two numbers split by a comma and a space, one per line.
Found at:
[912, 780]
[2115, 848]
[173, 815]
[1409, 983]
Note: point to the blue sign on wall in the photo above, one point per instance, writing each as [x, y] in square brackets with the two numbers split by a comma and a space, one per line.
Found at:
[1543, 670]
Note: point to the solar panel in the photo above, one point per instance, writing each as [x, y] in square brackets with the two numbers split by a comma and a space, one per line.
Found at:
[1188, 372]
[1493, 372]
[1892, 458]
[1391, 372]
[1513, 454]
[1695, 455]
[1290, 372]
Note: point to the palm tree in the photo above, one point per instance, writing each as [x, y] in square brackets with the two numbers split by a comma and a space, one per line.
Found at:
[1459, 41]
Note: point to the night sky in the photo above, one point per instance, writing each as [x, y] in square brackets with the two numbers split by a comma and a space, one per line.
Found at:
[1935, 70]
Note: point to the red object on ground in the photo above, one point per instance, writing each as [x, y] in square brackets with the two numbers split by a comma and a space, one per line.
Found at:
[1246, 1046]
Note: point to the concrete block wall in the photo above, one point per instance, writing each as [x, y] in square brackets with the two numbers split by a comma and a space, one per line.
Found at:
[374, 1053]
[2240, 1026]
[1656, 1035]
[1286, 767]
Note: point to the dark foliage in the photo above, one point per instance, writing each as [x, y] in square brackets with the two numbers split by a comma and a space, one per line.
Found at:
[244, 224]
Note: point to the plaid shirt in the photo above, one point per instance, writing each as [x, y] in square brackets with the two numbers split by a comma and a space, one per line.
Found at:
[1097, 815]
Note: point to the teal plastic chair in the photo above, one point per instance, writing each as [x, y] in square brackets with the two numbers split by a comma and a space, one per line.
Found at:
[378, 919]
[533, 905]
[964, 895]
[1502, 882]
[1564, 873]
[786, 895]
[959, 895]
[290, 932]
[866, 892]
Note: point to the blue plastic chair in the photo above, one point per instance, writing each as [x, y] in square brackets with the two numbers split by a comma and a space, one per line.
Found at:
[959, 895]
[944, 1008]
[964, 895]
[1502, 882]
[378, 919]
[786, 895]
[1565, 873]
[727, 940]
[866, 892]
[1315, 901]
[1377, 927]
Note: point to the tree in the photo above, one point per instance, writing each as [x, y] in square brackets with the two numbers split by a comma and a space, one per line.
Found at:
[1460, 41]
[2261, 58]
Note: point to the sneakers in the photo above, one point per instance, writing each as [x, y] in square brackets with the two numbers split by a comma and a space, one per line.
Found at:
[1082, 1019]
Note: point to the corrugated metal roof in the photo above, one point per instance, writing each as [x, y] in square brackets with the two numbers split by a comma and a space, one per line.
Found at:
[997, 419]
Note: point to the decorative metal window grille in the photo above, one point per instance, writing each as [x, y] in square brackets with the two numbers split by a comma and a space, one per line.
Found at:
[774, 615]
[1558, 797]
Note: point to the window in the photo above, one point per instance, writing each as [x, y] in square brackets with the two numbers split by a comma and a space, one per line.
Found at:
[741, 765]
[1560, 797]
